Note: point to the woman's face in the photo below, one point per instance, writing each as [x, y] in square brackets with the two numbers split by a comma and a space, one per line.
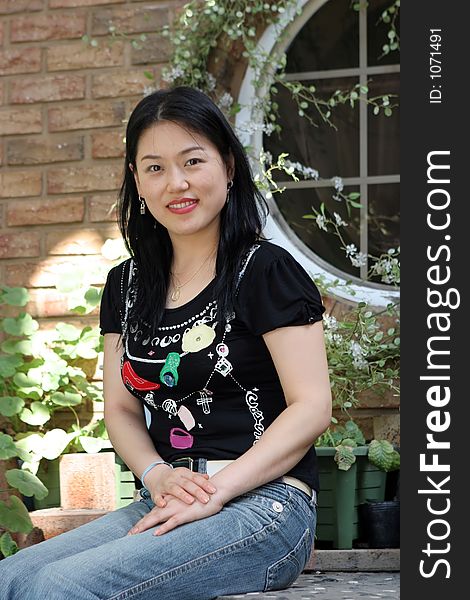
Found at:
[182, 177]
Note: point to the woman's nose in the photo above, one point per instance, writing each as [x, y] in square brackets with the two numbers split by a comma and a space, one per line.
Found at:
[176, 180]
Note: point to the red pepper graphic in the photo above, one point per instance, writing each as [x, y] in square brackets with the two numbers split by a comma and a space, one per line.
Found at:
[131, 378]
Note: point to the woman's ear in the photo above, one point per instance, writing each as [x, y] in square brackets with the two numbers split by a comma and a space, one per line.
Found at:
[230, 166]
[136, 176]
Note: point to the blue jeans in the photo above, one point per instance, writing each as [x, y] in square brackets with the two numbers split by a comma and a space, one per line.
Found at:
[259, 541]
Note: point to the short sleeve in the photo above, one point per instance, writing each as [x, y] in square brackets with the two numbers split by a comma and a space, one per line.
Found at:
[110, 314]
[277, 292]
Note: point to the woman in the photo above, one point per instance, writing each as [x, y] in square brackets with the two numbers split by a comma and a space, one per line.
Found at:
[215, 382]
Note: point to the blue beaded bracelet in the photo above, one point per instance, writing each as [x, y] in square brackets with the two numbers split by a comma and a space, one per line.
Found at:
[154, 464]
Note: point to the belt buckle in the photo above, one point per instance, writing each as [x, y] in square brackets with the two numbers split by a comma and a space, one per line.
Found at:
[186, 461]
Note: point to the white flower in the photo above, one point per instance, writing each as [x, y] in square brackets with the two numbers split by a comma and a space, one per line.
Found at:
[211, 82]
[171, 75]
[266, 158]
[333, 338]
[356, 349]
[351, 250]
[338, 183]
[330, 322]
[359, 260]
[307, 172]
[339, 220]
[321, 222]
[268, 128]
[358, 353]
[149, 89]
[360, 363]
[225, 101]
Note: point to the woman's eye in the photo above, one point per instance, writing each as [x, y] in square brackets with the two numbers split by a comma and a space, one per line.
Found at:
[154, 168]
[193, 161]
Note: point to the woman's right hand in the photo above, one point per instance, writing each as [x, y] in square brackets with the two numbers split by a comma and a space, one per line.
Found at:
[180, 482]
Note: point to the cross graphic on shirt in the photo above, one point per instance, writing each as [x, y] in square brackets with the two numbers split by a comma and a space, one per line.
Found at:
[204, 400]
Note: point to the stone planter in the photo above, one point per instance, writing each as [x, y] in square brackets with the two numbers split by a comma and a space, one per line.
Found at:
[86, 481]
[341, 492]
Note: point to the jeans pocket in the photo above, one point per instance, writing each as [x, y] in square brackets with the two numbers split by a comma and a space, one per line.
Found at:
[285, 571]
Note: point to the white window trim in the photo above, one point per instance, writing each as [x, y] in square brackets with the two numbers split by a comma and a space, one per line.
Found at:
[276, 227]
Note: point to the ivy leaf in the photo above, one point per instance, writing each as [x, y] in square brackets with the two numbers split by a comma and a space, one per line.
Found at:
[32, 443]
[69, 282]
[66, 398]
[355, 204]
[93, 296]
[7, 447]
[50, 381]
[344, 457]
[349, 442]
[55, 442]
[37, 414]
[67, 332]
[15, 296]
[382, 455]
[35, 375]
[23, 381]
[9, 364]
[11, 405]
[91, 444]
[15, 517]
[8, 546]
[24, 325]
[27, 483]
[24, 347]
[85, 350]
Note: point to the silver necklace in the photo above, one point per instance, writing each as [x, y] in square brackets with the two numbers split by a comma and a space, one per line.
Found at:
[176, 293]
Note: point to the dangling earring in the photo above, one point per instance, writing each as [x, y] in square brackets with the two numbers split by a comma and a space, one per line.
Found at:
[229, 187]
[142, 205]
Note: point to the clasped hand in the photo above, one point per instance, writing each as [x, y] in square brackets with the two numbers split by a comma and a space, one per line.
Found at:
[175, 513]
[180, 496]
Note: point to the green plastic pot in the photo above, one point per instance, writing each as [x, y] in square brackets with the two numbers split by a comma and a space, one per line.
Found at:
[341, 492]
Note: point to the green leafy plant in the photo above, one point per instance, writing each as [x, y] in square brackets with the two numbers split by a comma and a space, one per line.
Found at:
[363, 357]
[43, 373]
[344, 438]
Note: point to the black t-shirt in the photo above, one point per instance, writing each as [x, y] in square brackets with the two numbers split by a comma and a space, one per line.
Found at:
[206, 395]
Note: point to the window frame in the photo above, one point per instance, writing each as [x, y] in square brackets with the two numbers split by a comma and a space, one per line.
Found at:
[277, 227]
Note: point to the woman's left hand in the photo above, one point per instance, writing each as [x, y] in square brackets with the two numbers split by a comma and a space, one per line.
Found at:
[175, 513]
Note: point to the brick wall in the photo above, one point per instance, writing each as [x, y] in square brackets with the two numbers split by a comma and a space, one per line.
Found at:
[63, 107]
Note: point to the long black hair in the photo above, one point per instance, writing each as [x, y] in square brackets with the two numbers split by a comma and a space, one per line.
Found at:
[148, 242]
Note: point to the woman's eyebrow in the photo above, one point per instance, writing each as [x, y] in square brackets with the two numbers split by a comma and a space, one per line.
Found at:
[185, 151]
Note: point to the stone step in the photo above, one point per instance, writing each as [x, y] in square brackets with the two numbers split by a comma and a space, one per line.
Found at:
[54, 521]
[368, 559]
[333, 586]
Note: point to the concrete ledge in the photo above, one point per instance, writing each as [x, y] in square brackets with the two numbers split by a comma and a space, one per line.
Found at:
[379, 559]
[53, 521]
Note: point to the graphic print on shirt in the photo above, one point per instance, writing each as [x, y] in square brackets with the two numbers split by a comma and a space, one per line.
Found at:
[195, 334]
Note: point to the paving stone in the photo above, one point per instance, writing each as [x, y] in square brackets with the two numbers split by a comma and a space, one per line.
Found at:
[334, 586]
